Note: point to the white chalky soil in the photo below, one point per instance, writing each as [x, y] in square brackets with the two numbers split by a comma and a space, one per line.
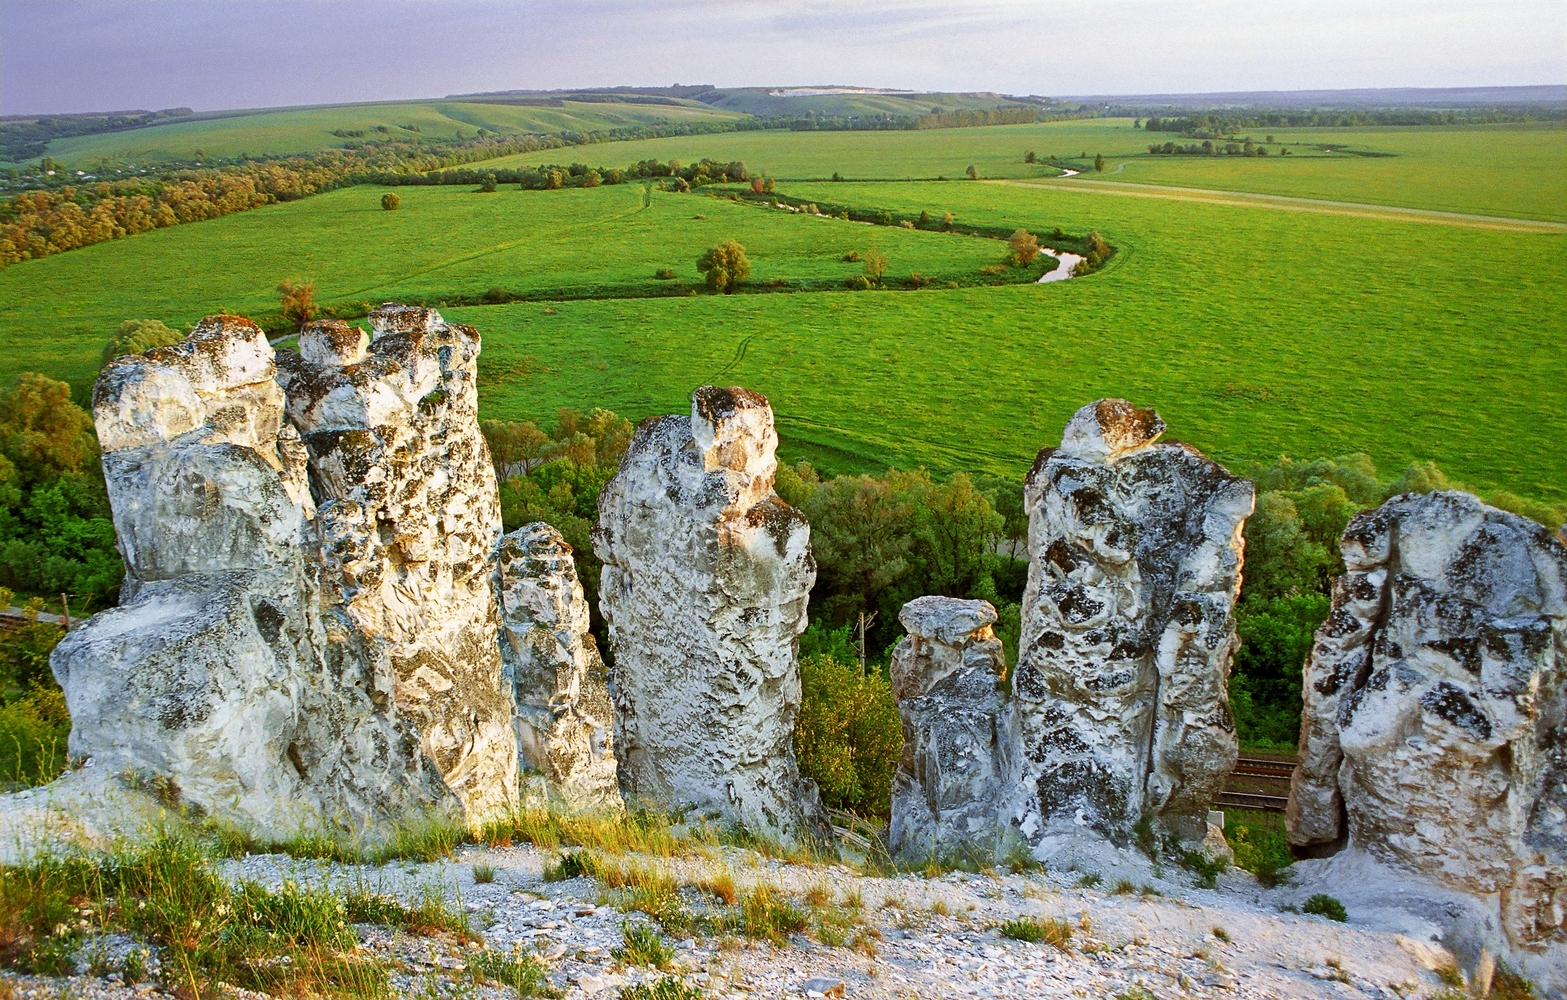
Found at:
[1121, 944]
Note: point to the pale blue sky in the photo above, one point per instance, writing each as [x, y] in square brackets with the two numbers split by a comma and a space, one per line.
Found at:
[66, 55]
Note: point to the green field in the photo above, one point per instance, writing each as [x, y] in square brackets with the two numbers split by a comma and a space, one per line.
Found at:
[1256, 331]
[302, 130]
[1510, 170]
[443, 242]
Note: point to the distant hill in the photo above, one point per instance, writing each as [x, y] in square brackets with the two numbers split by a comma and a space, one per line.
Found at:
[1383, 97]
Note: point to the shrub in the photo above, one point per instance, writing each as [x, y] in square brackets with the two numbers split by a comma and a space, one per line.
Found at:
[725, 265]
[297, 302]
[664, 274]
[487, 183]
[875, 265]
[849, 734]
[391, 202]
[134, 336]
[1324, 905]
[972, 172]
[852, 257]
[1024, 246]
[857, 283]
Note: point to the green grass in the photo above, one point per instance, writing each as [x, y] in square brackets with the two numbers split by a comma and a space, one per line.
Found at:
[1256, 332]
[1510, 170]
[445, 241]
[302, 130]
[1259, 843]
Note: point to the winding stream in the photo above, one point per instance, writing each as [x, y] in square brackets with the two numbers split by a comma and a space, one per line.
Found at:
[1061, 271]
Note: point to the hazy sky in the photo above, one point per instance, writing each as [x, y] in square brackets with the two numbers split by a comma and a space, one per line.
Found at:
[67, 55]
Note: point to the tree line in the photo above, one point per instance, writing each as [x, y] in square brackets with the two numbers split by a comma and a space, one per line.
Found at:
[1221, 124]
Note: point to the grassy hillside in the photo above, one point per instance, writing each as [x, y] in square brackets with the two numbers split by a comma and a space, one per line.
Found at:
[58, 312]
[300, 130]
[798, 101]
[1255, 333]
[1512, 170]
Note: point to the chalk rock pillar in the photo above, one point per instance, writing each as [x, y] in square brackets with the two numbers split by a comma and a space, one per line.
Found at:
[408, 521]
[1127, 635]
[704, 588]
[1434, 736]
[959, 736]
[208, 674]
[564, 721]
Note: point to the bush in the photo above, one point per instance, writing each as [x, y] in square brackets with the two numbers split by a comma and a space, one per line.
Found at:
[725, 265]
[849, 734]
[875, 265]
[852, 257]
[487, 183]
[1260, 844]
[664, 274]
[391, 202]
[857, 283]
[1324, 905]
[135, 336]
[297, 302]
[1024, 248]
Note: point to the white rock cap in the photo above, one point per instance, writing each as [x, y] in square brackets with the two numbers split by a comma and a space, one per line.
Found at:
[1109, 429]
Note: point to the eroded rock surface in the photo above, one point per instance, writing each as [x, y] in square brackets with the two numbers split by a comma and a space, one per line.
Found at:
[307, 634]
[959, 735]
[408, 519]
[1434, 736]
[704, 588]
[1134, 566]
[564, 720]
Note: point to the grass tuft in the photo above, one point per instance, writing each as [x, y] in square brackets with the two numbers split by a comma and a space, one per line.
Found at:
[1049, 930]
[641, 945]
[666, 988]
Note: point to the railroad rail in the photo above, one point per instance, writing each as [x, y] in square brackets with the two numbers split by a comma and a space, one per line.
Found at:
[1263, 767]
[1252, 800]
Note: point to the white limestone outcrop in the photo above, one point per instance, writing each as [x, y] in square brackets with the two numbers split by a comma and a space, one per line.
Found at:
[960, 743]
[307, 635]
[1434, 735]
[704, 589]
[1135, 553]
[564, 721]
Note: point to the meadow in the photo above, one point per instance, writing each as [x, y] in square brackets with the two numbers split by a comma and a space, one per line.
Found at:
[302, 130]
[444, 242]
[1510, 170]
[1256, 332]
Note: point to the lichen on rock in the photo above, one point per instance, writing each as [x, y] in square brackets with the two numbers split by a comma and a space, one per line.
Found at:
[1135, 554]
[704, 589]
[960, 745]
[1434, 735]
[564, 721]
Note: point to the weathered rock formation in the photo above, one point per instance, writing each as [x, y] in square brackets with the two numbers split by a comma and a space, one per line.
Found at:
[408, 520]
[1434, 736]
[960, 742]
[1134, 566]
[704, 588]
[564, 720]
[307, 633]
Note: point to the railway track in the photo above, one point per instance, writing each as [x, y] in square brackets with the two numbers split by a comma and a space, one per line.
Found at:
[1272, 774]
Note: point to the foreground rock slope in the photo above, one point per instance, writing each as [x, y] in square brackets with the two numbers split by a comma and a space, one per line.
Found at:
[1434, 739]
[307, 634]
[1135, 553]
[704, 588]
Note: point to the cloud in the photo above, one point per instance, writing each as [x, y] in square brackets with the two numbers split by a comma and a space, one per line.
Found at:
[73, 55]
